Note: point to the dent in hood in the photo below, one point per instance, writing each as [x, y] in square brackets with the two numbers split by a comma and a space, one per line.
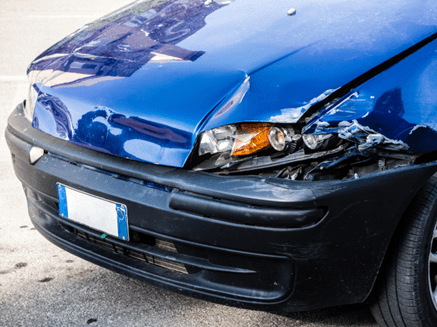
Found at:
[155, 74]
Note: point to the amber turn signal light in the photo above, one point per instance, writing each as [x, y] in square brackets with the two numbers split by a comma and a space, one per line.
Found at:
[251, 138]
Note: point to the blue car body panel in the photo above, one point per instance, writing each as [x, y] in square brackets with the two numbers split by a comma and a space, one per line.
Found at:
[143, 82]
[399, 104]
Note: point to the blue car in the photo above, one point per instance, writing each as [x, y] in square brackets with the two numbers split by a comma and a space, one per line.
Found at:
[273, 155]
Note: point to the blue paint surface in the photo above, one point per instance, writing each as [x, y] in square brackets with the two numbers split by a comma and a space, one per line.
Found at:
[122, 222]
[62, 195]
[143, 82]
[400, 103]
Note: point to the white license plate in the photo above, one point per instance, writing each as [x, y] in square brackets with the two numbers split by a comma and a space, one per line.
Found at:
[86, 209]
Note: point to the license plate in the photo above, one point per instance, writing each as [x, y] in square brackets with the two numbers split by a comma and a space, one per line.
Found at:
[86, 209]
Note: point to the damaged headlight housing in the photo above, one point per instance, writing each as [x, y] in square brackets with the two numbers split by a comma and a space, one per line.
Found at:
[230, 145]
[316, 141]
[238, 140]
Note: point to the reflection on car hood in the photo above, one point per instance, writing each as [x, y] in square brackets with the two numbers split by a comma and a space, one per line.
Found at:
[142, 82]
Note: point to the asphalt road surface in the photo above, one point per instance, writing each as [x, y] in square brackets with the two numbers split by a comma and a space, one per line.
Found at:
[40, 284]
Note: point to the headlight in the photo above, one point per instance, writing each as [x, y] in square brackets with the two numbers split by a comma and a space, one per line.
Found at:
[231, 143]
[282, 138]
[254, 144]
[316, 141]
[251, 138]
[217, 140]
[244, 139]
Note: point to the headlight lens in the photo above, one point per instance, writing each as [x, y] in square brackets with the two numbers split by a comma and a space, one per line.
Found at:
[217, 140]
[315, 142]
[277, 138]
[244, 139]
[251, 138]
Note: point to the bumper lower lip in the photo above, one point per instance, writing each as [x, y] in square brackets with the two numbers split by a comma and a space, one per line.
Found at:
[246, 241]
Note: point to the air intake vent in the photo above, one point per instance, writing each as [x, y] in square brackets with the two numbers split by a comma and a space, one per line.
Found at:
[160, 244]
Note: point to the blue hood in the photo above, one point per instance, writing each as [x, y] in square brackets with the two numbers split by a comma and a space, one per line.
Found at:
[143, 82]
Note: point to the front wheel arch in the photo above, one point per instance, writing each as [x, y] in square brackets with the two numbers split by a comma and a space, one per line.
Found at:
[401, 296]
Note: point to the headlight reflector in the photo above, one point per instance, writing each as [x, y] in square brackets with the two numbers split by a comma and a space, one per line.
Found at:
[217, 140]
[314, 142]
[277, 138]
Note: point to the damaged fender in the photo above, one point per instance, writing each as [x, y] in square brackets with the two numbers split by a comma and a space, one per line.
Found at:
[395, 110]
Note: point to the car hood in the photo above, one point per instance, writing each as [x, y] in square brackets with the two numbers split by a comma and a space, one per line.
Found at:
[144, 81]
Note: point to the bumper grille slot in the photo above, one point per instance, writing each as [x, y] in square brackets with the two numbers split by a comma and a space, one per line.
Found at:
[156, 252]
[175, 266]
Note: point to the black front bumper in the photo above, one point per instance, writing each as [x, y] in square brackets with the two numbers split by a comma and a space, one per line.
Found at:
[249, 241]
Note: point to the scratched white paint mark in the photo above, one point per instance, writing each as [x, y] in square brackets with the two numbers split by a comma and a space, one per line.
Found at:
[356, 132]
[292, 115]
[417, 127]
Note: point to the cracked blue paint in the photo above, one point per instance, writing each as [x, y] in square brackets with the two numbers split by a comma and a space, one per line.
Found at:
[396, 109]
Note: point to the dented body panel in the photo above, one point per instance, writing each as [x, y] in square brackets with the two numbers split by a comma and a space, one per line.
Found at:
[143, 82]
[397, 107]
